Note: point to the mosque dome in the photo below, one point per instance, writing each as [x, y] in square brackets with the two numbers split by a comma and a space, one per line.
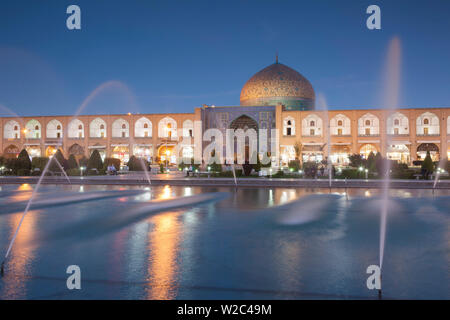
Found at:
[278, 83]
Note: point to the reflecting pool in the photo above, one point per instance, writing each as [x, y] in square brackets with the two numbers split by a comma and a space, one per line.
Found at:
[222, 243]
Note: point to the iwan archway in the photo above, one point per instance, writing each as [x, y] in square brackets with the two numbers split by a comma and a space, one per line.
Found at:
[245, 123]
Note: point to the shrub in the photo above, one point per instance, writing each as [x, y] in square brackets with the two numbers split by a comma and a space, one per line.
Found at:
[371, 162]
[310, 169]
[215, 167]
[95, 161]
[184, 165]
[73, 172]
[62, 161]
[83, 162]
[24, 161]
[72, 162]
[356, 160]
[23, 172]
[113, 162]
[39, 162]
[294, 165]
[247, 168]
[136, 164]
[161, 168]
[381, 165]
[13, 164]
[266, 162]
[279, 174]
[350, 174]
[428, 163]
[257, 166]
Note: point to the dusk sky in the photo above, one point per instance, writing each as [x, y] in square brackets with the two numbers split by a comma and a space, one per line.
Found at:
[172, 56]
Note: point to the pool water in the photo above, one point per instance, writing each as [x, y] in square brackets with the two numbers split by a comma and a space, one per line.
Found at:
[250, 243]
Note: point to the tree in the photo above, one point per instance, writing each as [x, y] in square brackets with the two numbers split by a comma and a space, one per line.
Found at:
[356, 160]
[39, 162]
[427, 166]
[294, 165]
[24, 161]
[371, 162]
[266, 160]
[297, 148]
[380, 164]
[83, 161]
[95, 161]
[13, 164]
[310, 169]
[135, 164]
[72, 162]
[62, 161]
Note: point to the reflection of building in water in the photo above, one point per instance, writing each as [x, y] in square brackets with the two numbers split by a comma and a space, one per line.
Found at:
[277, 97]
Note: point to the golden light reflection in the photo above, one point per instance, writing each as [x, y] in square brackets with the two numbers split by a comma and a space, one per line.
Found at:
[25, 187]
[22, 196]
[21, 256]
[164, 247]
[166, 193]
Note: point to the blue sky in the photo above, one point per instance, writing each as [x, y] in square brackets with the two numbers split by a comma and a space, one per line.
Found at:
[171, 56]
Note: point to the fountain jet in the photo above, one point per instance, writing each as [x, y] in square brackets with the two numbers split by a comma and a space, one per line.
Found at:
[26, 210]
[391, 101]
[322, 105]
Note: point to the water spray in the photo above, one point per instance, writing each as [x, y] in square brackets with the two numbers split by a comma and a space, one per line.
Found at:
[380, 294]
[2, 268]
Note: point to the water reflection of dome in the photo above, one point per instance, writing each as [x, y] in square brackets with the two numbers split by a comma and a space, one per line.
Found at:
[278, 83]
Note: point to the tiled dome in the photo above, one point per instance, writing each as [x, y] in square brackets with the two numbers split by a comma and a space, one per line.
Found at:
[278, 84]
